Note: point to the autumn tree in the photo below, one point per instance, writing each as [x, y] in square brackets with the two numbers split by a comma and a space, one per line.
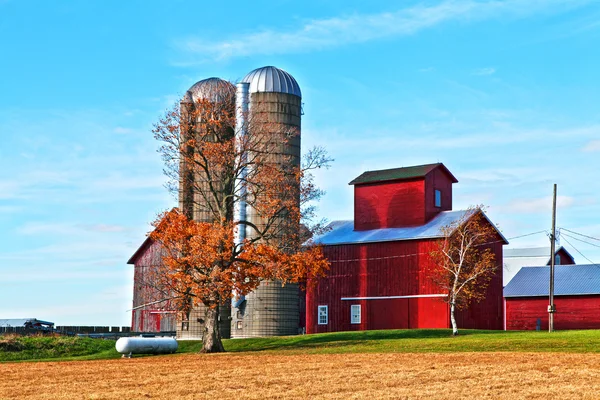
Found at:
[464, 263]
[213, 252]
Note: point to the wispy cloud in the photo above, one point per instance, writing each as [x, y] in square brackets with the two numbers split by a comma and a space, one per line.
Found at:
[319, 34]
[592, 146]
[540, 205]
[484, 71]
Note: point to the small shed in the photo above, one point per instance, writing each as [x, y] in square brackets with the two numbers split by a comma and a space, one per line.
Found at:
[576, 296]
[517, 258]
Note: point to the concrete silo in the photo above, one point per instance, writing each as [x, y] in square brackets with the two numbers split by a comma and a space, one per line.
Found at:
[193, 184]
[275, 103]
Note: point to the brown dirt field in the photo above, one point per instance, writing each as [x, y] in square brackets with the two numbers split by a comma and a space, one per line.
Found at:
[338, 376]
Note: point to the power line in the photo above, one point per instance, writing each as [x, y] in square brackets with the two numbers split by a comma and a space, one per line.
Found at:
[581, 240]
[528, 234]
[580, 234]
[591, 262]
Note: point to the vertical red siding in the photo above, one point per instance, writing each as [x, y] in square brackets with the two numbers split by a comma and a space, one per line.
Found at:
[389, 204]
[488, 313]
[393, 269]
[572, 312]
[437, 180]
[151, 317]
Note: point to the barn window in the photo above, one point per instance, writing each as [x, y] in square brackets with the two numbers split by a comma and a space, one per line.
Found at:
[355, 314]
[323, 315]
[557, 259]
[438, 198]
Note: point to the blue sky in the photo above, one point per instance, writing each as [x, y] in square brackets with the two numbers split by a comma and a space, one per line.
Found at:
[504, 93]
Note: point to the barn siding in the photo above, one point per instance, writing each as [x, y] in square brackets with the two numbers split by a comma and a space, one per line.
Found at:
[153, 317]
[393, 269]
[572, 312]
[374, 204]
[437, 179]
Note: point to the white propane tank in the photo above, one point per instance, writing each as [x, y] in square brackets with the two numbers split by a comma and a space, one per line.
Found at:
[146, 345]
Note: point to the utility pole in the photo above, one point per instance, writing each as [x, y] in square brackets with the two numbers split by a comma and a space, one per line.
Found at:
[551, 307]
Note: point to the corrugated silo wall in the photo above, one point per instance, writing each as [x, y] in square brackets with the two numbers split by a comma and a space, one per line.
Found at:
[190, 203]
[273, 310]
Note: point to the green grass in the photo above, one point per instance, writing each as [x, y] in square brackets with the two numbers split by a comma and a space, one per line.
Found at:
[14, 348]
[38, 348]
[420, 341]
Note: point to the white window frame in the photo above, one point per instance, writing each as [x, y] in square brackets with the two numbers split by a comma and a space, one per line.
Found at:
[435, 198]
[353, 313]
[325, 314]
[557, 259]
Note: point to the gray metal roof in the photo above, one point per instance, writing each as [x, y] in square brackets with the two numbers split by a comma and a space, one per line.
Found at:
[529, 252]
[568, 280]
[272, 79]
[342, 232]
[213, 89]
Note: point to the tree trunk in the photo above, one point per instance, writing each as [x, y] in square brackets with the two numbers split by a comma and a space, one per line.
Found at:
[453, 320]
[211, 337]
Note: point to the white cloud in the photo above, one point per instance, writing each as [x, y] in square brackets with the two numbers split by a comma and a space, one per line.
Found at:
[592, 146]
[540, 205]
[484, 71]
[325, 33]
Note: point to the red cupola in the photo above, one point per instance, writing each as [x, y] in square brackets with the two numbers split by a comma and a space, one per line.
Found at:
[401, 197]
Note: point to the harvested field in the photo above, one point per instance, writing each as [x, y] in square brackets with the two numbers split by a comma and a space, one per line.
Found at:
[317, 376]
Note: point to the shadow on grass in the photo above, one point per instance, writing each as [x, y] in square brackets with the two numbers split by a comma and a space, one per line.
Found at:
[340, 339]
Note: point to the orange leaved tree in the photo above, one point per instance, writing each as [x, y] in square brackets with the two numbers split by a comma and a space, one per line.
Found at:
[212, 250]
[463, 264]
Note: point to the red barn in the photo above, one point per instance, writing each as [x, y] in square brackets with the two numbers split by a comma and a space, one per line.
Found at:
[152, 311]
[576, 296]
[379, 262]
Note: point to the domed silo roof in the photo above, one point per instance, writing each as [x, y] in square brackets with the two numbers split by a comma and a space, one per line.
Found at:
[272, 79]
[212, 89]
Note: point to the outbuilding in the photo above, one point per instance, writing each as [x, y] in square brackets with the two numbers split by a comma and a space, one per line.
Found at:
[379, 261]
[576, 297]
[517, 258]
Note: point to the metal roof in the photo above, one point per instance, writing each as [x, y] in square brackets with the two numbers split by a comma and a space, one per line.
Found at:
[213, 89]
[568, 280]
[342, 232]
[529, 252]
[417, 171]
[515, 259]
[272, 79]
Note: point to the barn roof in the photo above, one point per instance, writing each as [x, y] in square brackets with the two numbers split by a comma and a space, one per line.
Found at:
[515, 259]
[417, 171]
[342, 232]
[568, 280]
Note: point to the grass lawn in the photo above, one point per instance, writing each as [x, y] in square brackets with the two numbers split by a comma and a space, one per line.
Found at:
[15, 348]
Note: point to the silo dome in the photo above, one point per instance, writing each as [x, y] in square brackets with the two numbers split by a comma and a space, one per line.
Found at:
[272, 79]
[212, 89]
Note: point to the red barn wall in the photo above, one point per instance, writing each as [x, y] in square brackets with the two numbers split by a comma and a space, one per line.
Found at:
[154, 317]
[389, 204]
[437, 179]
[565, 258]
[352, 275]
[488, 313]
[572, 312]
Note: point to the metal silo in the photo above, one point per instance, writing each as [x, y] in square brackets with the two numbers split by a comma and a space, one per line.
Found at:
[193, 183]
[275, 101]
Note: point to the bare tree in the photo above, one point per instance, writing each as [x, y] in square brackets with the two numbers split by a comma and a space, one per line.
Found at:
[463, 264]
